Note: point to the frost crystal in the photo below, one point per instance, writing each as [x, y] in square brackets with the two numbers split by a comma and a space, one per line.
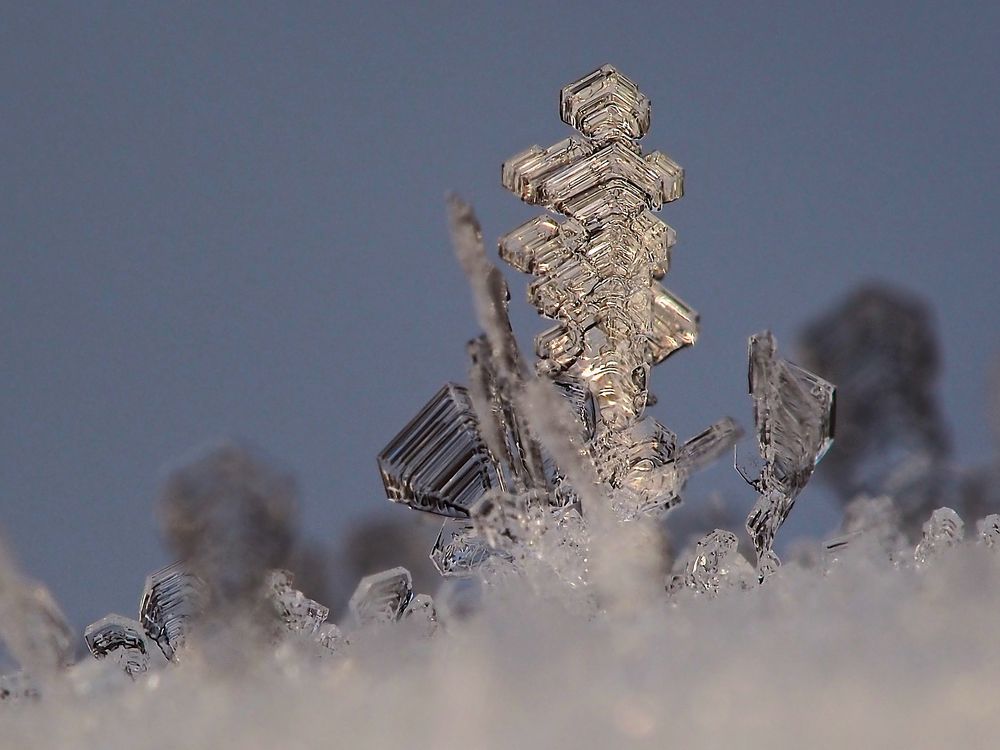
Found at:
[122, 639]
[295, 610]
[989, 530]
[944, 529]
[171, 600]
[794, 415]
[382, 597]
[716, 564]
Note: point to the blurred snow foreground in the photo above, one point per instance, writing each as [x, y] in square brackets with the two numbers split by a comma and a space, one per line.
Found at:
[563, 619]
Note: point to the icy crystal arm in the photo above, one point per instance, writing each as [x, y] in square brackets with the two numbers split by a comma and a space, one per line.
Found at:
[122, 639]
[794, 416]
[295, 610]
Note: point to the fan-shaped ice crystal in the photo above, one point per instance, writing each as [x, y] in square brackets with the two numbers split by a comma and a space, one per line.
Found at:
[439, 462]
[120, 638]
[944, 529]
[794, 415]
[171, 600]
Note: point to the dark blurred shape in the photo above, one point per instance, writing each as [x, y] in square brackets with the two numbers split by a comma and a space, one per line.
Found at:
[880, 348]
[230, 517]
[981, 486]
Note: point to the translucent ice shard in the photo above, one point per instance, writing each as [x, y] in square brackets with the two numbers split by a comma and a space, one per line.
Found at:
[329, 637]
[944, 529]
[421, 614]
[716, 564]
[458, 550]
[605, 105]
[120, 638]
[794, 416]
[989, 530]
[171, 601]
[295, 610]
[439, 462]
[32, 625]
[382, 597]
[229, 516]
[880, 348]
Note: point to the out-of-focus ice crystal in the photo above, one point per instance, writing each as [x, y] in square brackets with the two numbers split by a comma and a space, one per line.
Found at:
[229, 517]
[171, 601]
[32, 625]
[17, 687]
[458, 550]
[944, 529]
[879, 347]
[989, 530]
[794, 416]
[120, 638]
[382, 597]
[295, 610]
[421, 614]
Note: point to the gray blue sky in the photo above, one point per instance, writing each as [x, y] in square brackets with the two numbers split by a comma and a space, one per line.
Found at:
[227, 219]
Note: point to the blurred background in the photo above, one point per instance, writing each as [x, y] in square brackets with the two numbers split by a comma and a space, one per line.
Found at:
[227, 220]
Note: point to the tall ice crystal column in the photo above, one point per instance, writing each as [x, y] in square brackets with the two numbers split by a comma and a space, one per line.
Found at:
[597, 275]
[794, 414]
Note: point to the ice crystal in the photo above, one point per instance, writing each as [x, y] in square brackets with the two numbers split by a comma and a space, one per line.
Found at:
[943, 530]
[120, 638]
[794, 415]
[295, 610]
[715, 564]
[989, 530]
[171, 601]
[382, 597]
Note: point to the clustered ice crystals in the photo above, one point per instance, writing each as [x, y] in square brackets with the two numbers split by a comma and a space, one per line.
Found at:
[530, 470]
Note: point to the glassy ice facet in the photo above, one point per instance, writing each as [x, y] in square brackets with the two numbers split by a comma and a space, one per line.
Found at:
[794, 416]
[171, 600]
[605, 105]
[675, 325]
[458, 550]
[229, 516]
[989, 530]
[329, 637]
[944, 529]
[421, 614]
[120, 638]
[299, 613]
[382, 597]
[439, 462]
[716, 564]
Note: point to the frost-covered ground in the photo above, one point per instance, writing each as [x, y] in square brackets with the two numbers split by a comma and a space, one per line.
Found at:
[860, 653]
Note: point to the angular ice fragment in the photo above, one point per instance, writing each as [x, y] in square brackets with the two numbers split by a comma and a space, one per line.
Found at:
[716, 564]
[944, 529]
[299, 613]
[458, 550]
[421, 614]
[229, 516]
[523, 174]
[794, 416]
[439, 462]
[604, 105]
[121, 638]
[709, 445]
[989, 530]
[382, 597]
[329, 637]
[675, 325]
[171, 601]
